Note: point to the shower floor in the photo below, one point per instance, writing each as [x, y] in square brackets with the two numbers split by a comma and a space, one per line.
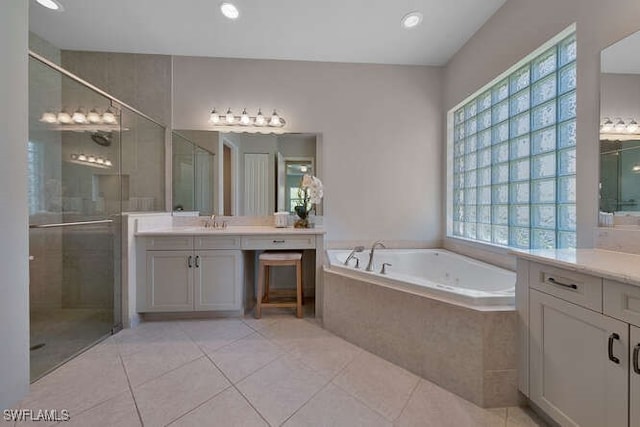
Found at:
[64, 333]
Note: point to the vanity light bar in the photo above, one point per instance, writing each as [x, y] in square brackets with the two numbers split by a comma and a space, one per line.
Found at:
[619, 129]
[79, 117]
[244, 119]
[91, 160]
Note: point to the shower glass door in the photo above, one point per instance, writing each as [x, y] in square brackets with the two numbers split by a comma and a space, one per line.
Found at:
[75, 202]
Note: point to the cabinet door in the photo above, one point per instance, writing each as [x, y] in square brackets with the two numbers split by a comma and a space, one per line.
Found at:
[573, 378]
[169, 281]
[634, 397]
[218, 280]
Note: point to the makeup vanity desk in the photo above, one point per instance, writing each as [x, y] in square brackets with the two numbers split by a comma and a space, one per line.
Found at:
[197, 269]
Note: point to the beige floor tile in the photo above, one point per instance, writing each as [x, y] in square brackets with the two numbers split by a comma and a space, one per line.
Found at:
[326, 354]
[281, 388]
[92, 378]
[245, 356]
[215, 333]
[170, 396]
[523, 417]
[117, 412]
[335, 407]
[431, 405]
[287, 332]
[381, 385]
[229, 408]
[149, 335]
[153, 361]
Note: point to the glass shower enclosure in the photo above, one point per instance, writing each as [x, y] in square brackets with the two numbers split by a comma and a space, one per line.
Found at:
[82, 174]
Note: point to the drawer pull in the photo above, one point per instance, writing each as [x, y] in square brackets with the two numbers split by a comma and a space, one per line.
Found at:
[565, 285]
[613, 337]
[197, 261]
[636, 359]
[189, 261]
[278, 241]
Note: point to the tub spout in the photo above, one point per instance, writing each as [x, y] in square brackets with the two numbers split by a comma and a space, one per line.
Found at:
[353, 254]
[373, 249]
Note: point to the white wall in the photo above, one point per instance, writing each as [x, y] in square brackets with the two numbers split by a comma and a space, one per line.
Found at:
[381, 133]
[518, 28]
[14, 309]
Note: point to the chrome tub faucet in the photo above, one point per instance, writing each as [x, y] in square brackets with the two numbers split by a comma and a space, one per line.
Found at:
[353, 255]
[373, 249]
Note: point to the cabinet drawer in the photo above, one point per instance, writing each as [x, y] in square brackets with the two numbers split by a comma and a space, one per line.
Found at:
[622, 301]
[169, 243]
[577, 288]
[307, 241]
[217, 242]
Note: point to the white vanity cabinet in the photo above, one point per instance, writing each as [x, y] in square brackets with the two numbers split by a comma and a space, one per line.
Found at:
[191, 274]
[581, 336]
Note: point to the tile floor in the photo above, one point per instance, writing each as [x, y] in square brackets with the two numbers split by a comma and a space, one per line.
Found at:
[244, 372]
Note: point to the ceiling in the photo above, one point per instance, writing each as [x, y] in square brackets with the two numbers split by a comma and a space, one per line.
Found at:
[361, 31]
[622, 57]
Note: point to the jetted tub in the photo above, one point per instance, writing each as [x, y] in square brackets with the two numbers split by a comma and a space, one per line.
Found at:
[435, 273]
[445, 317]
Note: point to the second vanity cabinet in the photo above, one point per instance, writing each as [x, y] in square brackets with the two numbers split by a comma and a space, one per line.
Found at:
[582, 338]
[190, 273]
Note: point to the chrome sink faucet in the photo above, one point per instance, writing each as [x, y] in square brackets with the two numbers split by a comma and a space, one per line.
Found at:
[353, 254]
[373, 248]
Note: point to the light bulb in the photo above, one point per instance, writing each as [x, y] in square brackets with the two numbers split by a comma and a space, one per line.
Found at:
[91, 159]
[49, 117]
[229, 10]
[214, 118]
[260, 120]
[64, 117]
[303, 169]
[636, 168]
[632, 127]
[74, 157]
[107, 162]
[100, 161]
[229, 118]
[108, 117]
[79, 117]
[93, 116]
[411, 20]
[607, 125]
[244, 118]
[275, 119]
[620, 126]
[82, 158]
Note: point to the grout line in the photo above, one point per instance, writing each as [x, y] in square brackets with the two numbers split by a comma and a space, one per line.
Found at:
[408, 400]
[133, 396]
[232, 384]
[200, 405]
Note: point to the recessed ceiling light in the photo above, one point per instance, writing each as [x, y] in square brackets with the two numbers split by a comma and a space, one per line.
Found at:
[229, 10]
[51, 4]
[411, 19]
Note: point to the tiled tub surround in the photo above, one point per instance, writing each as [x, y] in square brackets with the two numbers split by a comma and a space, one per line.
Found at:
[468, 351]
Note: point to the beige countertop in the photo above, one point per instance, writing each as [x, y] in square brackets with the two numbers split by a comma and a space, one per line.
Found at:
[619, 266]
[238, 230]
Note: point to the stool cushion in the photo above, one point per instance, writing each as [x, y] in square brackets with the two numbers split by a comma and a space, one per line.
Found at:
[280, 256]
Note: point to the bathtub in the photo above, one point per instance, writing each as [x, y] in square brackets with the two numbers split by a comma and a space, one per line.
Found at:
[435, 273]
[445, 317]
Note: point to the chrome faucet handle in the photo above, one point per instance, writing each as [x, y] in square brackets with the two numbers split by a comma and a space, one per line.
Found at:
[383, 270]
[353, 254]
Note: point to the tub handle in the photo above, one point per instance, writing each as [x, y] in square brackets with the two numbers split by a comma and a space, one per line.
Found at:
[383, 270]
[555, 282]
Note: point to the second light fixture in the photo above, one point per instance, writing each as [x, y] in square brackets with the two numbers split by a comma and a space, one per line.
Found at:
[244, 119]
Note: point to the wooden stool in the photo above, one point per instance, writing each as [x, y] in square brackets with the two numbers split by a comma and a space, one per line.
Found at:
[267, 260]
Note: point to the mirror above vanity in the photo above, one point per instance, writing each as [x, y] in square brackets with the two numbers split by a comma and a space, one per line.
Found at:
[246, 174]
[619, 129]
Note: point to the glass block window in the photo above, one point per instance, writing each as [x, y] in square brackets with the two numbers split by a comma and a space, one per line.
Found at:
[514, 156]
